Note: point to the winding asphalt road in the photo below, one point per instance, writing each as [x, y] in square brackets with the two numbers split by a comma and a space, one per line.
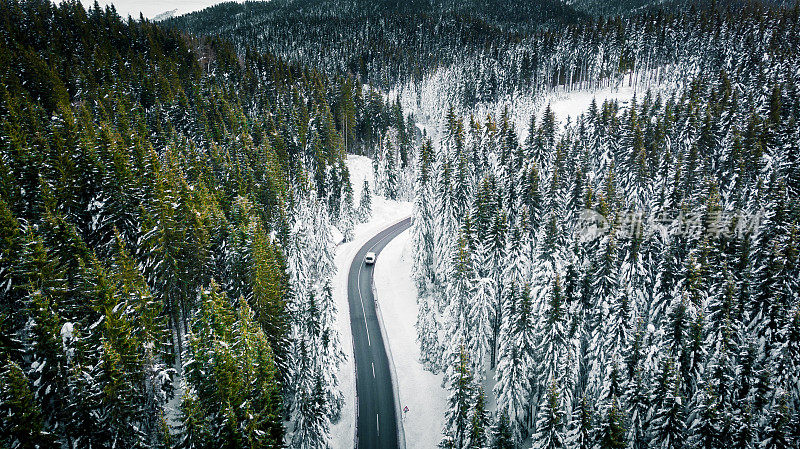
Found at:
[377, 417]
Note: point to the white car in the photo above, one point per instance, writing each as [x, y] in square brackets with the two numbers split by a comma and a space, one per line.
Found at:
[369, 259]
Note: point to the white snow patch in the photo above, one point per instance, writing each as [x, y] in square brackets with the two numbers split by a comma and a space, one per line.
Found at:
[172, 409]
[154, 10]
[573, 104]
[66, 332]
[360, 168]
[336, 235]
[419, 390]
[164, 16]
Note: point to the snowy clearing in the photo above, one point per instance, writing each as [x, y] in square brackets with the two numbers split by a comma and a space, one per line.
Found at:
[425, 101]
[151, 9]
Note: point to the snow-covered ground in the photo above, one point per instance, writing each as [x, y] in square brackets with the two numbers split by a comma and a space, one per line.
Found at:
[151, 9]
[428, 100]
[384, 213]
[567, 106]
[574, 103]
[419, 390]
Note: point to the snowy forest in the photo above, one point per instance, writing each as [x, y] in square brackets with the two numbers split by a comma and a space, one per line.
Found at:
[164, 205]
[173, 195]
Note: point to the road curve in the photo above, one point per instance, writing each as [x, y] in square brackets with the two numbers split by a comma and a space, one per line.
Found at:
[377, 417]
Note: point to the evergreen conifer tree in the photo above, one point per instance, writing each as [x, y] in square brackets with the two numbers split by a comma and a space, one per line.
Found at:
[460, 383]
[365, 205]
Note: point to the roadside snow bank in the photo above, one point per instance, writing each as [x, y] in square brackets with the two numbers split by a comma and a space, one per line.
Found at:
[419, 390]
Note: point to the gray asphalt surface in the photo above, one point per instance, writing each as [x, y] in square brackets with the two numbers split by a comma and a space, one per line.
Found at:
[377, 418]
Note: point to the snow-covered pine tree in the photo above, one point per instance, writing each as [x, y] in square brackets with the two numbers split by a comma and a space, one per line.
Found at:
[502, 437]
[423, 221]
[517, 344]
[555, 360]
[232, 390]
[482, 305]
[459, 285]
[365, 204]
[446, 223]
[23, 424]
[463, 185]
[777, 433]
[550, 428]
[479, 423]
[668, 425]
[390, 171]
[516, 261]
[428, 327]
[331, 356]
[636, 385]
[268, 293]
[347, 212]
[49, 366]
[424, 269]
[530, 140]
[705, 421]
[611, 428]
[786, 367]
[460, 383]
[311, 425]
[497, 255]
[605, 286]
[580, 432]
